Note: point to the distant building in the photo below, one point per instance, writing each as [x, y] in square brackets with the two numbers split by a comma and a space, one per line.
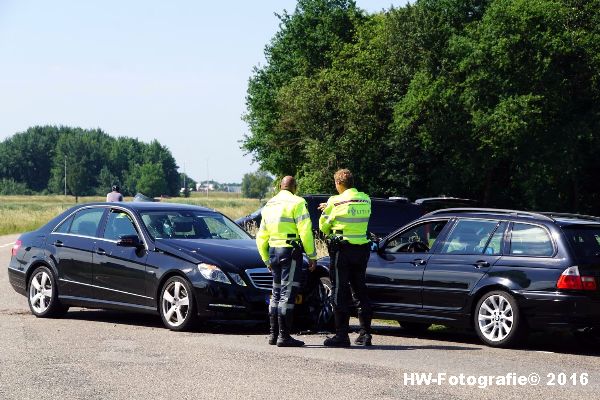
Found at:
[234, 188]
[204, 186]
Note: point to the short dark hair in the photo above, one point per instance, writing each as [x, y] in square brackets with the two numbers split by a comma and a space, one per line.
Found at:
[344, 177]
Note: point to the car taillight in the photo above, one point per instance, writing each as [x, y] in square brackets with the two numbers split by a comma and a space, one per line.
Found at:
[571, 279]
[16, 247]
[588, 282]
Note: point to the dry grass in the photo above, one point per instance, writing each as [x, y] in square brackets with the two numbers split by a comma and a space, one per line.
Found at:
[321, 248]
[233, 207]
[26, 213]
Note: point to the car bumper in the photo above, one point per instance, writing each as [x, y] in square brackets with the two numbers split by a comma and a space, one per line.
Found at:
[16, 276]
[221, 301]
[545, 310]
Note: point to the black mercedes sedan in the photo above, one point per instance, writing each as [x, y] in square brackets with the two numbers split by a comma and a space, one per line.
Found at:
[186, 263]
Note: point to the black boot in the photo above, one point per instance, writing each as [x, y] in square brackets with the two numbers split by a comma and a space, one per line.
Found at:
[285, 340]
[274, 329]
[364, 336]
[341, 338]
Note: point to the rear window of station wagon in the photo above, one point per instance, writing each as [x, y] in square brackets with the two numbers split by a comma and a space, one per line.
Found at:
[585, 241]
[530, 240]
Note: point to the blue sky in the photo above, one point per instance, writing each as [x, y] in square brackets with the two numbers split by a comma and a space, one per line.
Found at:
[175, 71]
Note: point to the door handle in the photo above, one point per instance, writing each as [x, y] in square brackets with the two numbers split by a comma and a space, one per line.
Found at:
[58, 243]
[481, 264]
[419, 261]
[101, 252]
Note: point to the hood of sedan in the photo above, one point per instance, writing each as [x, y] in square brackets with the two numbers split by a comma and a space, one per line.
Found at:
[231, 255]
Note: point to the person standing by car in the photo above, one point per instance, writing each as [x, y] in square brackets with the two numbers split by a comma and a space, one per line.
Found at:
[115, 195]
[344, 221]
[285, 232]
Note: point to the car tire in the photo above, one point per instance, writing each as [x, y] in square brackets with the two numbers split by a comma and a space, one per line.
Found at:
[176, 306]
[414, 327]
[321, 308]
[43, 294]
[497, 320]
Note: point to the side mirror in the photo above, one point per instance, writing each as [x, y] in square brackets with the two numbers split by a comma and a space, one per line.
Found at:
[375, 246]
[375, 241]
[130, 241]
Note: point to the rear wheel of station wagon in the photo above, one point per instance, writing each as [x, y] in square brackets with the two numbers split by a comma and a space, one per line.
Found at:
[497, 319]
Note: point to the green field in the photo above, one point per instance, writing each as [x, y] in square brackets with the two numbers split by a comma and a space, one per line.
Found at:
[25, 213]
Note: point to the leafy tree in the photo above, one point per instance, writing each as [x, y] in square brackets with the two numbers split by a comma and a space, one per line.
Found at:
[26, 157]
[12, 187]
[84, 152]
[309, 40]
[496, 100]
[256, 185]
[151, 181]
[188, 184]
[95, 161]
[106, 180]
[157, 153]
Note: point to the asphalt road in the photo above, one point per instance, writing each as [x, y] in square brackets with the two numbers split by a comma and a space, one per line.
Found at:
[93, 354]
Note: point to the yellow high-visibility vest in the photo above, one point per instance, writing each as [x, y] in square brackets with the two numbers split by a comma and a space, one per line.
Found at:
[285, 218]
[347, 215]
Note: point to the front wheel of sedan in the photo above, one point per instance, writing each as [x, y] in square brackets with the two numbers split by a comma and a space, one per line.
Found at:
[177, 308]
[497, 319]
[320, 307]
[43, 294]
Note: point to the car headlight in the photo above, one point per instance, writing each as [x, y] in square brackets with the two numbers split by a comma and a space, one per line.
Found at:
[213, 273]
[237, 279]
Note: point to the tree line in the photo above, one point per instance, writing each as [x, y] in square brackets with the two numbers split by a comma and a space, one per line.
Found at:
[34, 162]
[496, 100]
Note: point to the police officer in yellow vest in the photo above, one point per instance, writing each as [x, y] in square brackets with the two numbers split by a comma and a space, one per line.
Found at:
[285, 231]
[344, 220]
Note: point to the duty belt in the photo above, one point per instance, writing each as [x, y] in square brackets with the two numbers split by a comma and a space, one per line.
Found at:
[293, 239]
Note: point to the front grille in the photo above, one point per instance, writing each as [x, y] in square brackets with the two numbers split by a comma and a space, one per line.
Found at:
[260, 278]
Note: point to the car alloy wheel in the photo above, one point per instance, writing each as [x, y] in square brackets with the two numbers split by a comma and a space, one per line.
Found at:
[40, 291]
[176, 301]
[43, 295]
[324, 307]
[320, 310]
[497, 319]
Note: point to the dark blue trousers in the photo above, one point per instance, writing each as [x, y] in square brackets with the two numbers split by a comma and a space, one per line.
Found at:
[286, 267]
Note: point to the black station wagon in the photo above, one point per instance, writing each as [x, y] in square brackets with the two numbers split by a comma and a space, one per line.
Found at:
[500, 272]
[183, 262]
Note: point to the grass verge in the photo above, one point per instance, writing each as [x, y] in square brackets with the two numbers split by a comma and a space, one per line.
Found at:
[26, 213]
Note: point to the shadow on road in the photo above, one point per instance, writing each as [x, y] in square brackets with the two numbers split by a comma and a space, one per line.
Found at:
[154, 321]
[115, 317]
[555, 342]
[401, 348]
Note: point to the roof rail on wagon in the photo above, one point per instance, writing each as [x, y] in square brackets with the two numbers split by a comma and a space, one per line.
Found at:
[498, 211]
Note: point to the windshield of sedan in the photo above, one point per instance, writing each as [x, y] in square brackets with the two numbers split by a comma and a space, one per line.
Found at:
[179, 224]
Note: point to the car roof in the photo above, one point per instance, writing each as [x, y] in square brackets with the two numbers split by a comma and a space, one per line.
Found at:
[561, 219]
[444, 199]
[147, 206]
[565, 221]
